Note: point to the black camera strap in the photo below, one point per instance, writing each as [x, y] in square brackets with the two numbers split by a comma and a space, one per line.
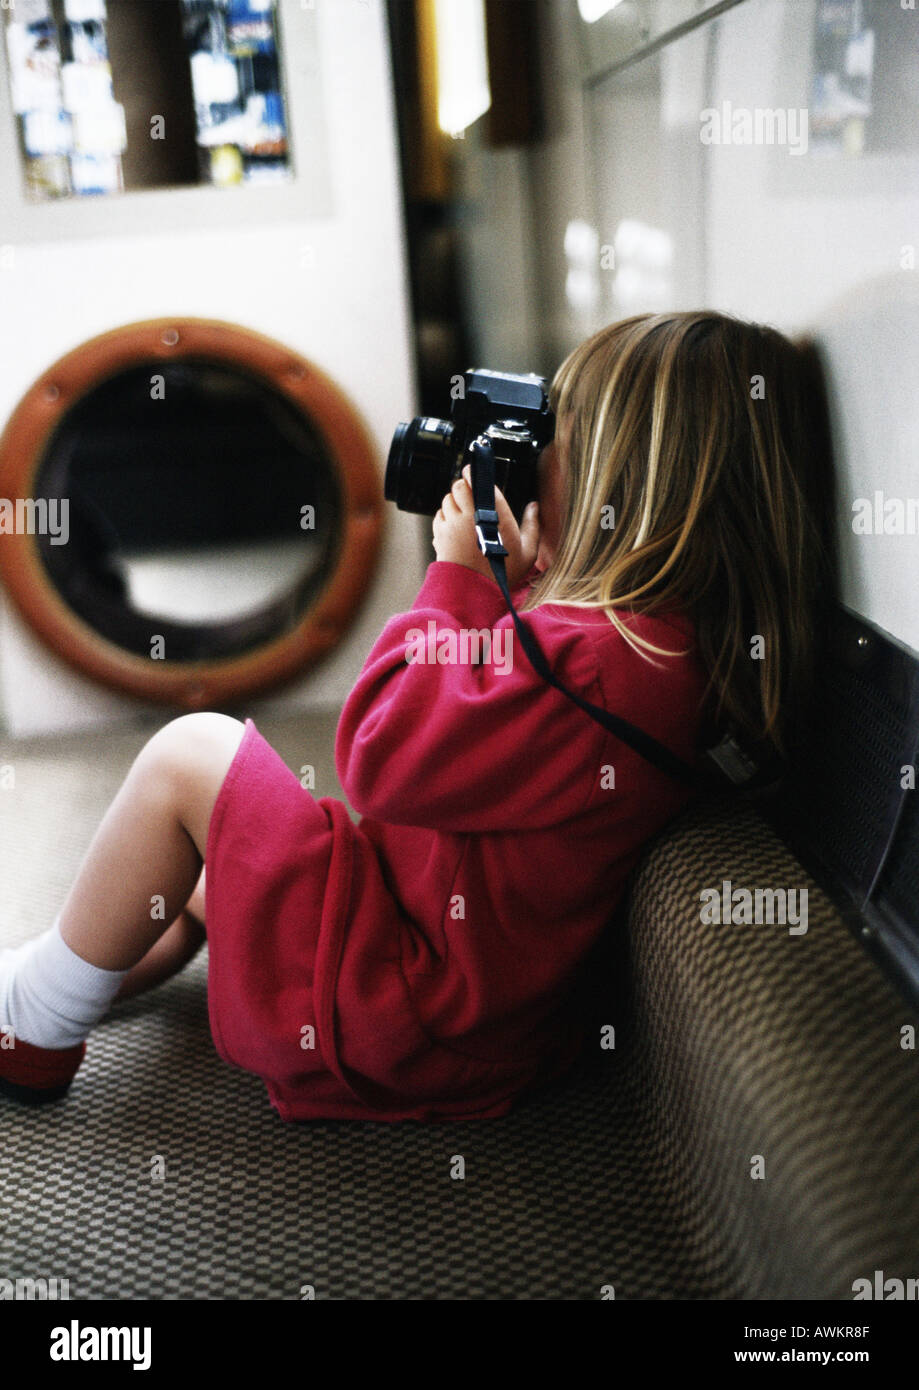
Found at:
[490, 543]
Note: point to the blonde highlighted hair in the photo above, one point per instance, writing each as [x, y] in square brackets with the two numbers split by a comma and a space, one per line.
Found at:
[705, 441]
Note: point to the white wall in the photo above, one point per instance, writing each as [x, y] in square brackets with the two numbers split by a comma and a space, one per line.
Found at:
[325, 275]
[807, 243]
[871, 338]
[815, 242]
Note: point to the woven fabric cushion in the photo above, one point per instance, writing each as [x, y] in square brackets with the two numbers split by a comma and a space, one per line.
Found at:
[746, 1040]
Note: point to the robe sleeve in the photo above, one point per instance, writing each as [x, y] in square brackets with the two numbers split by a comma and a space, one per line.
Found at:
[430, 736]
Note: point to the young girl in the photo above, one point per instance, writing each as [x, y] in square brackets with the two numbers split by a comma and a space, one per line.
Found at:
[423, 963]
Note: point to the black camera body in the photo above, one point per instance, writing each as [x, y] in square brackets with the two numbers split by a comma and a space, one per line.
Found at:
[427, 455]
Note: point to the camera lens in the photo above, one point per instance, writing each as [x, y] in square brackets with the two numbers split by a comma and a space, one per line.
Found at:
[421, 465]
[394, 463]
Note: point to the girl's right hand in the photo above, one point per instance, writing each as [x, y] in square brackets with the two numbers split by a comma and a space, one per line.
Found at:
[455, 539]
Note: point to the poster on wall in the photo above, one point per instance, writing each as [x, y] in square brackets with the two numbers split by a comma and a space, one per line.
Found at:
[843, 71]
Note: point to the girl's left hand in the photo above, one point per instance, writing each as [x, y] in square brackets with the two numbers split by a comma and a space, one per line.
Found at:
[455, 539]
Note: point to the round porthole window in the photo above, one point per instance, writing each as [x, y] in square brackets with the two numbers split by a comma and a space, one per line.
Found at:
[192, 513]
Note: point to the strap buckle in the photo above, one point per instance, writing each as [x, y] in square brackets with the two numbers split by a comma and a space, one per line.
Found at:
[487, 533]
[483, 495]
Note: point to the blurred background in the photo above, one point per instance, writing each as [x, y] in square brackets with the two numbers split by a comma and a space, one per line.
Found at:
[392, 193]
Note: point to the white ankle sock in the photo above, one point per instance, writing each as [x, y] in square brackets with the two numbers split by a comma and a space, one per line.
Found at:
[49, 995]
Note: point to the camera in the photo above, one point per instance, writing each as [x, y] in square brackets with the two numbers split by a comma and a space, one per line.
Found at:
[427, 455]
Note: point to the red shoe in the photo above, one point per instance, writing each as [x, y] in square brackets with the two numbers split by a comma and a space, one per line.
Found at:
[36, 1075]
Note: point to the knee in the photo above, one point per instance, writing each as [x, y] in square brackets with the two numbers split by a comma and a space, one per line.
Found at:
[188, 746]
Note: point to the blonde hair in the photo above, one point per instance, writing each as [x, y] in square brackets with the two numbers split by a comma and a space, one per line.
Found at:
[708, 438]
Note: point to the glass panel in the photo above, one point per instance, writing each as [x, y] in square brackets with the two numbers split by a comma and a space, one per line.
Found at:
[766, 163]
[115, 95]
[613, 31]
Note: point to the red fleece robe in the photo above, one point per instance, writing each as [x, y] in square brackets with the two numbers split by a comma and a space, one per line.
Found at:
[420, 964]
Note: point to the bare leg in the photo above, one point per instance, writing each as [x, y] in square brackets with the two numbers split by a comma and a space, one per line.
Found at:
[147, 854]
[180, 943]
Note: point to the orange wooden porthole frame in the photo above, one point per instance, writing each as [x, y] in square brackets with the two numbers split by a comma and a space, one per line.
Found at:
[194, 684]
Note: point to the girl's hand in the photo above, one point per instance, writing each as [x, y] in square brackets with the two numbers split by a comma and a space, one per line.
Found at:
[454, 532]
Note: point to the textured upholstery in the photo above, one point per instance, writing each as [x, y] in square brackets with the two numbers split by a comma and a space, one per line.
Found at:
[748, 1041]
